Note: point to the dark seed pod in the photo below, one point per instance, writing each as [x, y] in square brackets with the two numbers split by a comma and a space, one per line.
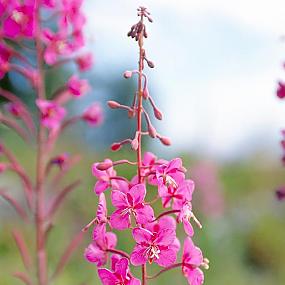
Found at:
[150, 64]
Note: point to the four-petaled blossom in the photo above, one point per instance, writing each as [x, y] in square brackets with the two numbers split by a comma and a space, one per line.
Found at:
[120, 273]
[20, 22]
[156, 243]
[51, 113]
[97, 251]
[176, 195]
[77, 87]
[93, 115]
[56, 45]
[104, 177]
[192, 259]
[128, 204]
[169, 173]
[185, 215]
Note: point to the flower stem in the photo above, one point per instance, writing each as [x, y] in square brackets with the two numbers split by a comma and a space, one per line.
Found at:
[167, 269]
[40, 171]
[120, 252]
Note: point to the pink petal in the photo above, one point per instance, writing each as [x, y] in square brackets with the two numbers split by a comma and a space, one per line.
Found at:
[186, 189]
[188, 228]
[165, 237]
[191, 253]
[119, 199]
[167, 222]
[100, 187]
[119, 221]
[11, 28]
[102, 208]
[166, 257]
[95, 255]
[50, 56]
[174, 164]
[138, 193]
[138, 256]
[111, 240]
[107, 277]
[114, 259]
[149, 158]
[195, 276]
[122, 267]
[135, 281]
[142, 235]
[145, 214]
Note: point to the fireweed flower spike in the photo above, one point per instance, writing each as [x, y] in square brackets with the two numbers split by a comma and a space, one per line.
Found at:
[29, 47]
[154, 234]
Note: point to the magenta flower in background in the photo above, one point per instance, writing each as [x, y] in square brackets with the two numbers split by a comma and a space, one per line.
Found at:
[130, 203]
[281, 90]
[280, 193]
[77, 87]
[14, 109]
[49, 3]
[20, 22]
[84, 61]
[51, 113]
[96, 252]
[93, 115]
[193, 259]
[156, 244]
[120, 274]
[56, 46]
[5, 55]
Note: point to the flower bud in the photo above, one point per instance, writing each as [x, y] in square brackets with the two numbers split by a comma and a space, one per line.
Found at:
[128, 74]
[113, 104]
[104, 165]
[157, 113]
[145, 93]
[165, 140]
[135, 144]
[116, 146]
[152, 131]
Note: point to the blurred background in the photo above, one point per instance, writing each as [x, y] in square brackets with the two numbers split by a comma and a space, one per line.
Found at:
[217, 66]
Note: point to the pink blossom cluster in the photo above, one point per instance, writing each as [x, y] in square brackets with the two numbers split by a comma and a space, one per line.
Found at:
[28, 22]
[37, 36]
[154, 234]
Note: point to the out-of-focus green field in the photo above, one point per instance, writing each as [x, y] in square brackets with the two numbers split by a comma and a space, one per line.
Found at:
[244, 239]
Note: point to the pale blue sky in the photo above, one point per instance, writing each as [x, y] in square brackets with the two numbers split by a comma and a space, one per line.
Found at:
[217, 63]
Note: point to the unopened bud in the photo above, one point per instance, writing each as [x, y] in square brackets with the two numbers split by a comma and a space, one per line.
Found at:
[128, 74]
[150, 64]
[165, 140]
[145, 93]
[152, 131]
[131, 113]
[116, 146]
[113, 104]
[135, 144]
[157, 113]
[104, 165]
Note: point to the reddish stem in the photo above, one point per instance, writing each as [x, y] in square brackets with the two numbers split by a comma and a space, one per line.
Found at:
[167, 269]
[120, 252]
[165, 214]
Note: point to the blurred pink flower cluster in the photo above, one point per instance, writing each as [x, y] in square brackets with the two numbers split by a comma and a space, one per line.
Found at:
[37, 36]
[154, 234]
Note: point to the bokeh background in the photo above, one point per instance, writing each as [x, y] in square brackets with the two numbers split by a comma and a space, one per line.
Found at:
[217, 64]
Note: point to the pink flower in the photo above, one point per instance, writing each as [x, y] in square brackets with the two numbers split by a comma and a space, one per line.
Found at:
[61, 160]
[84, 61]
[14, 109]
[49, 3]
[71, 13]
[77, 87]
[157, 243]
[57, 45]
[97, 251]
[104, 177]
[20, 22]
[193, 259]
[169, 173]
[51, 113]
[281, 90]
[280, 193]
[120, 274]
[5, 55]
[185, 216]
[93, 115]
[176, 195]
[130, 203]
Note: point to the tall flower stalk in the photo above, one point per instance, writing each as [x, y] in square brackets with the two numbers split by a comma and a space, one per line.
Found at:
[154, 235]
[30, 47]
